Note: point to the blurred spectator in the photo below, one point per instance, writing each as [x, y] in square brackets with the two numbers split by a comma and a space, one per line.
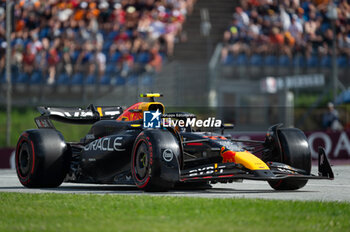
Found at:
[67, 57]
[331, 119]
[28, 60]
[242, 17]
[155, 63]
[52, 61]
[125, 64]
[101, 62]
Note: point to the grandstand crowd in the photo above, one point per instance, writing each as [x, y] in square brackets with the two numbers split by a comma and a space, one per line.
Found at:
[287, 28]
[73, 41]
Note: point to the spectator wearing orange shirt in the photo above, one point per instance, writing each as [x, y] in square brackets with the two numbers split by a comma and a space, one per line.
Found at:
[276, 40]
[52, 61]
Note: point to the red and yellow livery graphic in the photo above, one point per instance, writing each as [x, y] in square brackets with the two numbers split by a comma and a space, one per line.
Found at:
[245, 158]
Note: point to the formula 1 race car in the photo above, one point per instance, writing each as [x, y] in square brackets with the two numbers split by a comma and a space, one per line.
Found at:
[121, 149]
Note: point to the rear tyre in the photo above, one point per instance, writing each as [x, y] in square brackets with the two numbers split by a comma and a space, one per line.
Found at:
[294, 151]
[42, 158]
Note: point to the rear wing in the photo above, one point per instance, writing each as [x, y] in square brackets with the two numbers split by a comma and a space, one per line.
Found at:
[73, 115]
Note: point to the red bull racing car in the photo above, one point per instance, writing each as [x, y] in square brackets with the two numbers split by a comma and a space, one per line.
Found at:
[121, 149]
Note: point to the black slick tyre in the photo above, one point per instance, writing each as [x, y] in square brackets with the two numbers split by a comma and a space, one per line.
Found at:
[149, 170]
[295, 151]
[42, 158]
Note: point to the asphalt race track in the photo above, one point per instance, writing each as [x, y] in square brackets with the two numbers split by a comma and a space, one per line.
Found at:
[322, 190]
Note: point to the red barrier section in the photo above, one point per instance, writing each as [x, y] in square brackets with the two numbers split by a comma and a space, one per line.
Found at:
[336, 144]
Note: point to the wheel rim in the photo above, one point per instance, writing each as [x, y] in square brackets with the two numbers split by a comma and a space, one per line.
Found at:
[24, 159]
[141, 161]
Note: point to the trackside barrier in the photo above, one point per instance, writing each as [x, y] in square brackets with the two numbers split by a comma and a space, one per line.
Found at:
[336, 144]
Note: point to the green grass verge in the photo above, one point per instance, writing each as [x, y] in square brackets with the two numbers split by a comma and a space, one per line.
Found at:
[23, 119]
[67, 212]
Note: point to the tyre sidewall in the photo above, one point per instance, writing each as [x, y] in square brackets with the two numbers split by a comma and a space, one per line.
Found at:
[50, 155]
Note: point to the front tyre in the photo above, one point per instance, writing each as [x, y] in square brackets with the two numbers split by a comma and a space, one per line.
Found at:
[42, 158]
[294, 151]
[155, 156]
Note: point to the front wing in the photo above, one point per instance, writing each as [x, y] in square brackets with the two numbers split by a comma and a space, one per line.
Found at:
[226, 172]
